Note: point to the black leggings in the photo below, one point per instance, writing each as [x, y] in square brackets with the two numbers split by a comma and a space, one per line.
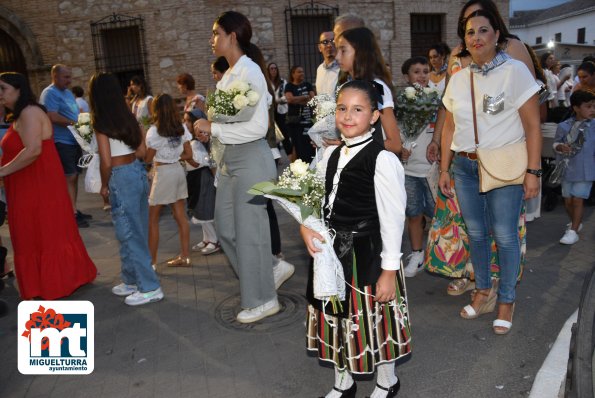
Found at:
[274, 226]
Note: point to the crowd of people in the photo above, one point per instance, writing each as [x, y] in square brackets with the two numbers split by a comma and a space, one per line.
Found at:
[378, 178]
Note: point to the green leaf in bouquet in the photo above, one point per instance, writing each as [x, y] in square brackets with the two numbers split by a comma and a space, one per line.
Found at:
[287, 192]
[262, 188]
[305, 211]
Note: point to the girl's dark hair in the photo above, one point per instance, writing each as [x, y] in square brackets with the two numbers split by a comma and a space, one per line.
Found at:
[413, 61]
[221, 64]
[140, 81]
[235, 22]
[364, 86]
[186, 80]
[109, 113]
[368, 63]
[277, 81]
[441, 48]
[588, 67]
[543, 59]
[26, 96]
[166, 116]
[494, 17]
[77, 91]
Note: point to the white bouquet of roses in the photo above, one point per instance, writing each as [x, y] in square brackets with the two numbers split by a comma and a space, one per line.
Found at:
[324, 128]
[82, 131]
[235, 104]
[300, 191]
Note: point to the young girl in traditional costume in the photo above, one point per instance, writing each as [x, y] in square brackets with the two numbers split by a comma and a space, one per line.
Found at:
[365, 205]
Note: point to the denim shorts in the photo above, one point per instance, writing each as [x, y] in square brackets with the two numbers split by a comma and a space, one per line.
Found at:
[576, 189]
[419, 197]
[69, 157]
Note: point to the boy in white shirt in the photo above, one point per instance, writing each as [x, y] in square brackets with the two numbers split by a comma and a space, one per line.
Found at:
[420, 201]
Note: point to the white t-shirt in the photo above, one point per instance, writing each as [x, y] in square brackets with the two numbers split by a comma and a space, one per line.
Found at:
[417, 165]
[498, 97]
[168, 149]
[83, 106]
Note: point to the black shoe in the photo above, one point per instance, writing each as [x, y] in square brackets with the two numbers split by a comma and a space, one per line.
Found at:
[84, 216]
[392, 390]
[81, 222]
[349, 393]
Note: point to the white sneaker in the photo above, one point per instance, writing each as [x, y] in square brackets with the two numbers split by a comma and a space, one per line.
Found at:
[140, 298]
[210, 248]
[257, 313]
[570, 237]
[124, 290]
[415, 263]
[282, 272]
[580, 227]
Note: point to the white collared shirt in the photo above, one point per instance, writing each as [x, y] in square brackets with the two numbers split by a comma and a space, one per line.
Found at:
[326, 78]
[242, 132]
[391, 198]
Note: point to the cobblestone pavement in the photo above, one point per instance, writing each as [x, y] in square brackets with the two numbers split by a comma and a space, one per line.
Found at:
[189, 346]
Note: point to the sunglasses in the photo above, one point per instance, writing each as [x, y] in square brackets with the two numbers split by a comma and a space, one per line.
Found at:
[327, 42]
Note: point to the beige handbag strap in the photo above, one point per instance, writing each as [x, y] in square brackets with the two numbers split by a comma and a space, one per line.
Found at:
[473, 107]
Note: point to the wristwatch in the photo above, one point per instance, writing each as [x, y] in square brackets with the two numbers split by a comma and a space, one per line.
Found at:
[538, 173]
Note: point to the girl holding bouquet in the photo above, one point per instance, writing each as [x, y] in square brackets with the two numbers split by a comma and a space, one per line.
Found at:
[358, 54]
[241, 219]
[365, 204]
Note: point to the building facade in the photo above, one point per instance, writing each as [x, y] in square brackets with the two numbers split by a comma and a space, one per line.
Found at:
[567, 29]
[162, 38]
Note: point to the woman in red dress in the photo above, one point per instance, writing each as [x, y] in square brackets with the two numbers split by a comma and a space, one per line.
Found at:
[49, 255]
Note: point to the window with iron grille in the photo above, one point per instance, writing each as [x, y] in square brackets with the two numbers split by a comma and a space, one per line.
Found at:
[11, 57]
[580, 36]
[426, 30]
[558, 37]
[304, 24]
[119, 47]
[538, 40]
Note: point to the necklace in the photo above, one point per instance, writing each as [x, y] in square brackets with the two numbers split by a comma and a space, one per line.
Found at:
[354, 145]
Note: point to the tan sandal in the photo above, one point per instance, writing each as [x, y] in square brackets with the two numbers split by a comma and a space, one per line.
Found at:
[460, 286]
[488, 305]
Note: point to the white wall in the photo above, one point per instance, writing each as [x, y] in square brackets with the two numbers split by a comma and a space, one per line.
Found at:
[568, 27]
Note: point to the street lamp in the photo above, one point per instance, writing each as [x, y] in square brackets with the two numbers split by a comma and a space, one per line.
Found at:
[550, 44]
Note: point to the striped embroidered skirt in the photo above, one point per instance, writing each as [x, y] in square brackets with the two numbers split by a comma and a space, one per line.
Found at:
[368, 334]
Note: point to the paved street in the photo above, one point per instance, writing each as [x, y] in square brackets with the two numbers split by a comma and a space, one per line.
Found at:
[189, 346]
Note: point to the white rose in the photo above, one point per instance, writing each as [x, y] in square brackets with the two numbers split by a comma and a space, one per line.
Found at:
[84, 129]
[428, 90]
[240, 101]
[84, 118]
[410, 92]
[240, 86]
[299, 167]
[253, 97]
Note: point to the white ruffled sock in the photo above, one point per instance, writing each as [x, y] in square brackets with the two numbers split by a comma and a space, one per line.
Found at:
[343, 381]
[385, 377]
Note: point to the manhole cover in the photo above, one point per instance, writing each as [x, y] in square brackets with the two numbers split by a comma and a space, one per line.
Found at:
[293, 310]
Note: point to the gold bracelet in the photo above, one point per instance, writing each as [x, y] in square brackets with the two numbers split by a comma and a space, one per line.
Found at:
[443, 171]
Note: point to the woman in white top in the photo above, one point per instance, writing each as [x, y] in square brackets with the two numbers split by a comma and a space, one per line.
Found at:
[140, 101]
[187, 87]
[168, 142]
[438, 57]
[241, 219]
[507, 112]
[124, 181]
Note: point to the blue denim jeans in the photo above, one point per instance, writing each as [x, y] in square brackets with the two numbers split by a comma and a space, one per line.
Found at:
[494, 213]
[129, 193]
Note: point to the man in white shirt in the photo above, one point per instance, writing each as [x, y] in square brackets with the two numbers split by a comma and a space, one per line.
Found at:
[328, 71]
